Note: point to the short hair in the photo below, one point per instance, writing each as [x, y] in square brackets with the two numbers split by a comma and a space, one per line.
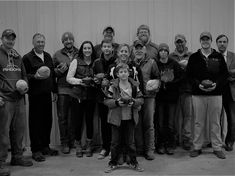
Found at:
[106, 41]
[143, 26]
[221, 36]
[38, 34]
[121, 66]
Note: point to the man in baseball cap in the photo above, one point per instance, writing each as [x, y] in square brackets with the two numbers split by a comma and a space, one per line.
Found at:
[138, 43]
[206, 34]
[8, 32]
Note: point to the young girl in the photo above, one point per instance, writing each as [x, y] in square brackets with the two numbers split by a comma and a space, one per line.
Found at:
[124, 102]
[80, 75]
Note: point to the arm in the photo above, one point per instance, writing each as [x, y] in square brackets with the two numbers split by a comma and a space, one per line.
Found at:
[71, 73]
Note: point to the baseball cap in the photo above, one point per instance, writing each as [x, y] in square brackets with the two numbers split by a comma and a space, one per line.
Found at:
[180, 37]
[163, 46]
[206, 34]
[109, 28]
[67, 35]
[138, 42]
[8, 32]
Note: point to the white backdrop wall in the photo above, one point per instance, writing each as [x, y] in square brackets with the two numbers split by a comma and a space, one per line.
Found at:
[87, 19]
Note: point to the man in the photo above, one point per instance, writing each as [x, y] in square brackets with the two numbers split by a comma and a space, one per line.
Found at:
[229, 91]
[12, 103]
[183, 121]
[148, 76]
[41, 85]
[108, 34]
[208, 73]
[65, 102]
[143, 34]
[101, 70]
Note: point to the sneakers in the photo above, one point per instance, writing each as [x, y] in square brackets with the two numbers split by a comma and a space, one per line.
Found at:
[111, 168]
[219, 154]
[49, 151]
[37, 156]
[149, 155]
[103, 154]
[65, 149]
[4, 171]
[136, 167]
[160, 150]
[21, 162]
[195, 153]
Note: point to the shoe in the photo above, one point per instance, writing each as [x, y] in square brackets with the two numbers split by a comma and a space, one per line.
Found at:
[21, 162]
[136, 167]
[37, 156]
[49, 151]
[65, 149]
[229, 147]
[149, 155]
[219, 154]
[4, 171]
[160, 150]
[103, 154]
[111, 168]
[78, 145]
[169, 151]
[195, 153]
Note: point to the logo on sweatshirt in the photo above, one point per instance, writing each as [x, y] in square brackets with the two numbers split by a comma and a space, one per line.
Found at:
[11, 66]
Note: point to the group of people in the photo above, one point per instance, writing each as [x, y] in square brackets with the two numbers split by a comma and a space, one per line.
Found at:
[148, 98]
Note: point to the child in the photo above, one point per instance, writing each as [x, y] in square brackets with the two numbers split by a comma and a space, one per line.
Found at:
[124, 102]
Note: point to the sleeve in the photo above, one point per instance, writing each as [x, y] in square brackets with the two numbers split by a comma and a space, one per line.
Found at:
[155, 74]
[71, 73]
[56, 63]
[223, 76]
[28, 68]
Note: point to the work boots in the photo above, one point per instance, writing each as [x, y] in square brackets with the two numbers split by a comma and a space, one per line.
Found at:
[89, 148]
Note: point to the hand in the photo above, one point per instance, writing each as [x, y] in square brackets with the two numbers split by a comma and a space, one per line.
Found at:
[130, 104]
[79, 82]
[62, 67]
[207, 89]
[1, 101]
[120, 102]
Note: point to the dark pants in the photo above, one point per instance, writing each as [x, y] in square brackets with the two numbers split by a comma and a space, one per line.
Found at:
[85, 109]
[105, 126]
[123, 135]
[12, 126]
[65, 110]
[40, 121]
[165, 124]
[229, 106]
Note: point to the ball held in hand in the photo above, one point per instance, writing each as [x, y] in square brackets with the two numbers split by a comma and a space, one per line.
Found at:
[44, 72]
[22, 86]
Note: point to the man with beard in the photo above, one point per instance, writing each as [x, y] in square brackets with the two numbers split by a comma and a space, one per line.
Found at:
[12, 103]
[229, 91]
[184, 119]
[143, 34]
[66, 105]
[149, 83]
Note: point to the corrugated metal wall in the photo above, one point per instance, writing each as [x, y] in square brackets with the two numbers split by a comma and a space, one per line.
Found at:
[86, 19]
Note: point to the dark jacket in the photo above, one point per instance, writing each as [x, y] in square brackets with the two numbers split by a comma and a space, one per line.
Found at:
[62, 56]
[115, 113]
[82, 92]
[169, 91]
[32, 63]
[11, 70]
[185, 86]
[101, 65]
[201, 68]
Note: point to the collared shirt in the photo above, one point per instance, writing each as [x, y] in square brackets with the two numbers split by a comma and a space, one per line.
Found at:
[41, 56]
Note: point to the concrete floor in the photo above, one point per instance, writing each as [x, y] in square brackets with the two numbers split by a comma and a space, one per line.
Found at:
[178, 164]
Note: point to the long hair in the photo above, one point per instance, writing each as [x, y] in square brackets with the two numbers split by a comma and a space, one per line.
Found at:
[80, 53]
[129, 50]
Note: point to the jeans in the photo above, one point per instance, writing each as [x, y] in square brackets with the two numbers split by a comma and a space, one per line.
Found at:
[65, 111]
[144, 131]
[123, 136]
[165, 124]
[12, 126]
[85, 109]
[105, 126]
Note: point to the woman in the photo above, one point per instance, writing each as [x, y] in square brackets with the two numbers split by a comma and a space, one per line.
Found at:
[80, 75]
